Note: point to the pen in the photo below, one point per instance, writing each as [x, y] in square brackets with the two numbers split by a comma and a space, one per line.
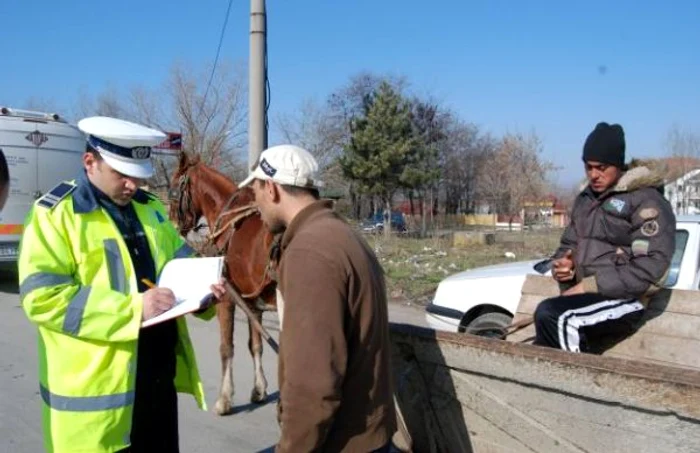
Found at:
[148, 283]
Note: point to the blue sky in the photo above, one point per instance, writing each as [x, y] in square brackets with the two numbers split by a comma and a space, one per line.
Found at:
[505, 65]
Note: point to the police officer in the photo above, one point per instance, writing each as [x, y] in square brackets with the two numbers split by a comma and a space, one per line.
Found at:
[106, 384]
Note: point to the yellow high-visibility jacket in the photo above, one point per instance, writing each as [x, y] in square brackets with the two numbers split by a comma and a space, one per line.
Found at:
[77, 284]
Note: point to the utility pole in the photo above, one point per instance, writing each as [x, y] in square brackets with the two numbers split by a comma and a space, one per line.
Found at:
[257, 100]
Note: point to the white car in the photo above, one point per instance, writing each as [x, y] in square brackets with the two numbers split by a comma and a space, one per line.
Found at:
[478, 300]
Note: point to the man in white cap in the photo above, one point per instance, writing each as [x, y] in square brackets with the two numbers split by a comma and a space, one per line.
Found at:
[88, 250]
[334, 366]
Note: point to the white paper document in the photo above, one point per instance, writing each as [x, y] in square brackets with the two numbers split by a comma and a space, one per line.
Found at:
[190, 280]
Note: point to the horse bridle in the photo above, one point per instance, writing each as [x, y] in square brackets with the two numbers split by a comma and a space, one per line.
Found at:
[185, 208]
[182, 197]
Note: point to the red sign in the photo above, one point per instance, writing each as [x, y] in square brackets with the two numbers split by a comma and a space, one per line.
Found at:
[173, 142]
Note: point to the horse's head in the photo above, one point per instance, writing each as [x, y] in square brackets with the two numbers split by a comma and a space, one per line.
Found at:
[184, 207]
[235, 228]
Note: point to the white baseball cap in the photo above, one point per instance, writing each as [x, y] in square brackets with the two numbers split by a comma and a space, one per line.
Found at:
[124, 146]
[288, 165]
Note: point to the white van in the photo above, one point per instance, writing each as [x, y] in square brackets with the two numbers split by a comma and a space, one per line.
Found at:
[41, 150]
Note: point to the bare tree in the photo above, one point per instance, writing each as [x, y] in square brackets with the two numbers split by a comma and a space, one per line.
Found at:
[41, 104]
[352, 100]
[148, 107]
[683, 147]
[430, 128]
[313, 128]
[682, 142]
[107, 103]
[460, 161]
[325, 130]
[212, 126]
[515, 174]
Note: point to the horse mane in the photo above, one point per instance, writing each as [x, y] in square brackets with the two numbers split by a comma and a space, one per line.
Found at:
[214, 179]
[220, 184]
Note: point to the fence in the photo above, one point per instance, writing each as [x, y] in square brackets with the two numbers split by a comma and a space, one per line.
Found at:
[479, 222]
[452, 221]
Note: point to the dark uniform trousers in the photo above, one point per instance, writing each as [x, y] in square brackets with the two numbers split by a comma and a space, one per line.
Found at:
[154, 426]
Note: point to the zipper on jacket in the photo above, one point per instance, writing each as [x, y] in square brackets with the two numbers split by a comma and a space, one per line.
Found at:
[597, 203]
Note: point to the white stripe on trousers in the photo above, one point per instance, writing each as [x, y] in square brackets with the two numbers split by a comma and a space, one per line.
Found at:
[572, 320]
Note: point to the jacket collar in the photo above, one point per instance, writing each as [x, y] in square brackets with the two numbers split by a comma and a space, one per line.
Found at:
[302, 217]
[85, 195]
[638, 178]
[633, 179]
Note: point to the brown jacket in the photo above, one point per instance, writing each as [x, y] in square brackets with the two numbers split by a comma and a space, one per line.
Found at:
[335, 380]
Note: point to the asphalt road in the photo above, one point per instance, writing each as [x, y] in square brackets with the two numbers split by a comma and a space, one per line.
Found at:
[251, 428]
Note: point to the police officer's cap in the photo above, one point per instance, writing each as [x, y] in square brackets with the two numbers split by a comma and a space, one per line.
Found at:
[124, 146]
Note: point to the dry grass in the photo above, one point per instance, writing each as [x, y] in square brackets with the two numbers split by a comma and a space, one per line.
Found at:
[414, 267]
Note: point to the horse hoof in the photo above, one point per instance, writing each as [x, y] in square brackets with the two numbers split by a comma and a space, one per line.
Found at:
[258, 396]
[223, 407]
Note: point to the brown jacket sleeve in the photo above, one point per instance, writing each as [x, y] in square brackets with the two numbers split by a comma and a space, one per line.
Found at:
[312, 349]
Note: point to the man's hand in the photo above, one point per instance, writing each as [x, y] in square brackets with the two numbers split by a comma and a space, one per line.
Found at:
[219, 290]
[156, 301]
[576, 289]
[218, 293]
[563, 268]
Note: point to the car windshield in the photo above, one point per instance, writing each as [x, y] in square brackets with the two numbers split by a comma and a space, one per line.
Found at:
[681, 242]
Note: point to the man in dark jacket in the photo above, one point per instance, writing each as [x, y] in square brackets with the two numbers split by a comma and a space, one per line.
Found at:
[614, 254]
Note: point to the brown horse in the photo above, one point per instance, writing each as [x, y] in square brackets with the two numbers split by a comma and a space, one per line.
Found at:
[236, 232]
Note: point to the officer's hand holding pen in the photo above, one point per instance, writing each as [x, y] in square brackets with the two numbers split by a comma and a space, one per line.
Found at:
[156, 300]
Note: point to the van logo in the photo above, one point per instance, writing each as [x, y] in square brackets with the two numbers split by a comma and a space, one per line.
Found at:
[37, 138]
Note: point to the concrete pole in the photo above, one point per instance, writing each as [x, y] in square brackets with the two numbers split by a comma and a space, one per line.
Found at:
[257, 133]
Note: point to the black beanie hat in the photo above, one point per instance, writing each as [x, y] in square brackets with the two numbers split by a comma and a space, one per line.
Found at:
[606, 144]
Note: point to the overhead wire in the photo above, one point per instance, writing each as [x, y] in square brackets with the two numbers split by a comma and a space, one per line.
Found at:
[216, 59]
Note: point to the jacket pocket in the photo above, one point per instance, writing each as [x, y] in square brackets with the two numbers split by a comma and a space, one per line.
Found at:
[616, 230]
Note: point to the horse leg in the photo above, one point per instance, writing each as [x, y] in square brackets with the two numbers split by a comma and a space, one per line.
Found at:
[226, 311]
[259, 394]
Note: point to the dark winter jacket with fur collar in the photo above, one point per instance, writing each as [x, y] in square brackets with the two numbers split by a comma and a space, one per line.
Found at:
[622, 240]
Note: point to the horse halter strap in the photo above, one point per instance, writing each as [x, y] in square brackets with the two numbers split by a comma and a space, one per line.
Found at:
[184, 203]
[239, 214]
